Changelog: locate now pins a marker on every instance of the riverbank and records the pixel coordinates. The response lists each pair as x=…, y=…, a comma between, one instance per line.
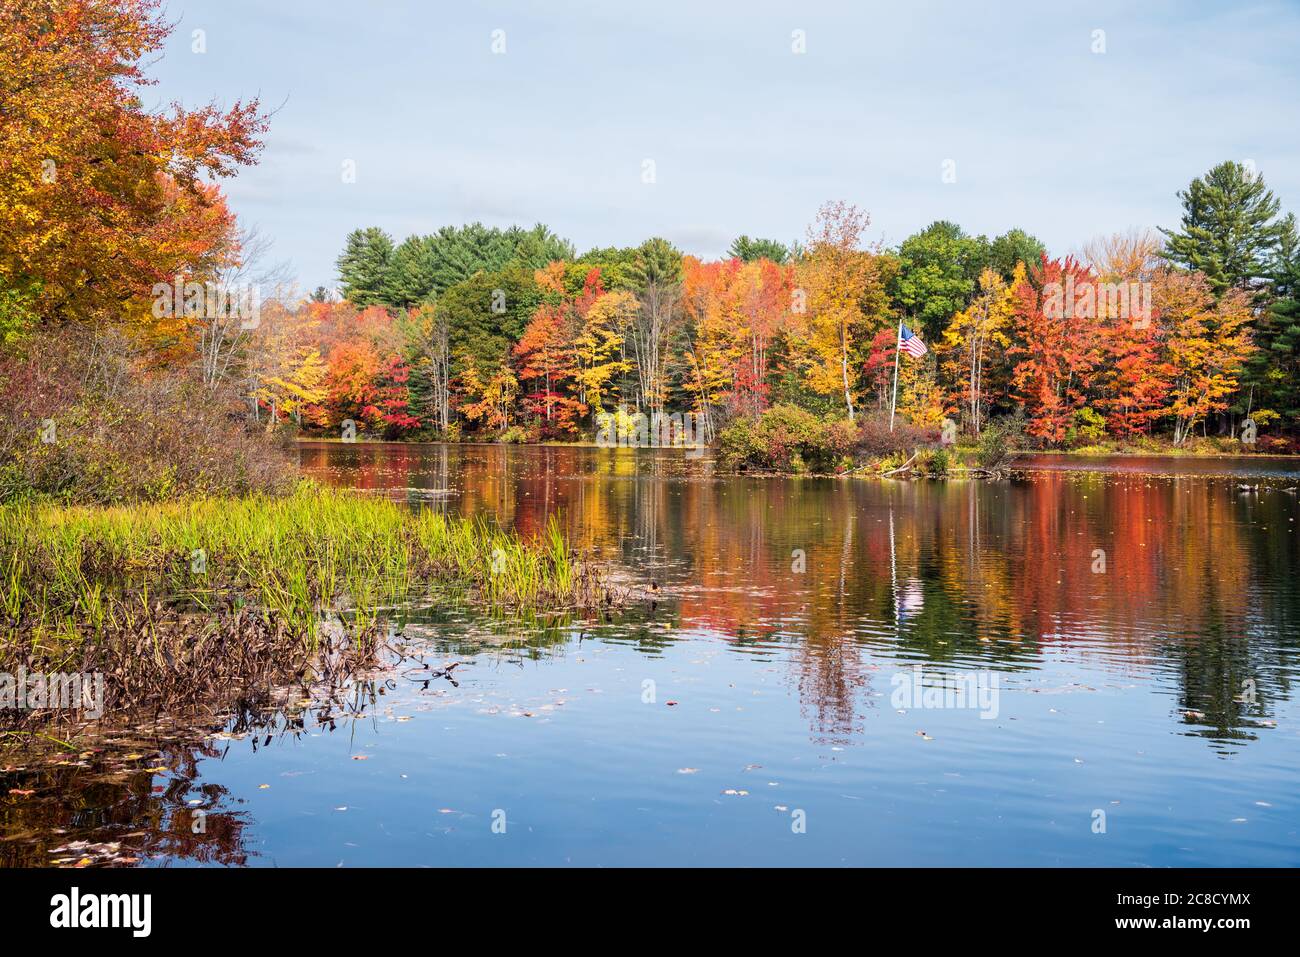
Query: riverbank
x=1230, y=448
x=196, y=602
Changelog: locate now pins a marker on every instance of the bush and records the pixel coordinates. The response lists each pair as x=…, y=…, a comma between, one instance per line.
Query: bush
x=515, y=435
x=1088, y=428
x=999, y=440
x=932, y=462
x=876, y=441
x=785, y=439
x=85, y=421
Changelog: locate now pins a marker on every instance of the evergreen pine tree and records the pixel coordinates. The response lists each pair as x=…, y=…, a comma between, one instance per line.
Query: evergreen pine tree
x=365, y=267
x=1229, y=228
x=1275, y=366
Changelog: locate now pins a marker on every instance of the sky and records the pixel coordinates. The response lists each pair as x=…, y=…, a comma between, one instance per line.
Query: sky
x=744, y=116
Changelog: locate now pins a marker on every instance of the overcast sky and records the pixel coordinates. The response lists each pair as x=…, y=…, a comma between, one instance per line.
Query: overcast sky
x=745, y=134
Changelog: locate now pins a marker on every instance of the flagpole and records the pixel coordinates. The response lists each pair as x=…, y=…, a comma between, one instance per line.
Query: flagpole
x=898, y=342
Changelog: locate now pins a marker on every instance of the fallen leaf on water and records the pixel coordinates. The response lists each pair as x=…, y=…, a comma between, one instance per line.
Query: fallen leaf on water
x=360, y=757
x=263, y=787
x=687, y=770
x=735, y=792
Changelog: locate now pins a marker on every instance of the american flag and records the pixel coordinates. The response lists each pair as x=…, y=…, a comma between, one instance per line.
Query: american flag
x=911, y=343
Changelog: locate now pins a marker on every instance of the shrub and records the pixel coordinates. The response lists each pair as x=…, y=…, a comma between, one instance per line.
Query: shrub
x=86, y=421
x=515, y=435
x=875, y=440
x=999, y=440
x=1088, y=428
x=932, y=462
x=785, y=438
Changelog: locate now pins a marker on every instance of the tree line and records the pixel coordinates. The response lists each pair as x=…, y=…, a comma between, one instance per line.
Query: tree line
x=490, y=332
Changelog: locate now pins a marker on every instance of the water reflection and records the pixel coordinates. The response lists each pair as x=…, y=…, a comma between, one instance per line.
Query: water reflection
x=147, y=795
x=1182, y=577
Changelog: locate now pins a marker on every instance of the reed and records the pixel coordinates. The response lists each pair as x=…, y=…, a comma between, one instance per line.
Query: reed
x=71, y=575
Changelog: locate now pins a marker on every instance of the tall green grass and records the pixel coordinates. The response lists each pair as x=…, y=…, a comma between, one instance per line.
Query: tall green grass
x=72, y=573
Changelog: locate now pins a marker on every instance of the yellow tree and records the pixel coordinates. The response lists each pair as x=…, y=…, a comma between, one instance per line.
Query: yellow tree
x=843, y=291
x=489, y=399
x=982, y=327
x=1207, y=344
x=598, y=346
x=302, y=385
x=285, y=366
x=920, y=397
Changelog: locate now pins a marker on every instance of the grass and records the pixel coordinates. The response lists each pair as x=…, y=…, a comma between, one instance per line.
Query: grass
x=201, y=583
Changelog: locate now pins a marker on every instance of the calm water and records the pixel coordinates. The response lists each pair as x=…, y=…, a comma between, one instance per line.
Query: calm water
x=1136, y=638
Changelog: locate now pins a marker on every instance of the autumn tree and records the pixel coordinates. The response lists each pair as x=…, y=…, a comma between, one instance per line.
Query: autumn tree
x=488, y=398
x=1208, y=342
x=101, y=197
x=843, y=295
x=285, y=368
x=598, y=347
x=1132, y=382
x=1055, y=352
x=716, y=332
x=351, y=384
x=978, y=335
x=545, y=357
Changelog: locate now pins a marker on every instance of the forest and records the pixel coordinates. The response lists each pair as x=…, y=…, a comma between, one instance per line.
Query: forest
x=482, y=332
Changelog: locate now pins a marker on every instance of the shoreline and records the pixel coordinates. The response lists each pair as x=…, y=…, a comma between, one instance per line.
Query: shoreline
x=585, y=444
